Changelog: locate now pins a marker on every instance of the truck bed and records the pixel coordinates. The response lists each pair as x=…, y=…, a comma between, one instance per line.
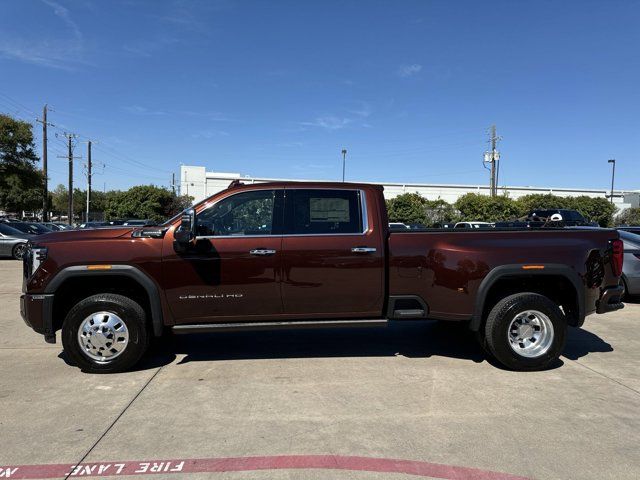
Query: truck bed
x=446, y=267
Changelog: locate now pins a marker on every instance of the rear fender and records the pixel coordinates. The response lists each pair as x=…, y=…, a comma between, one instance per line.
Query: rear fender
x=517, y=271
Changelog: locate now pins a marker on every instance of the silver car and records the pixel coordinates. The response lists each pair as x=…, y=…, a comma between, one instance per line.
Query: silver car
x=631, y=265
x=13, y=243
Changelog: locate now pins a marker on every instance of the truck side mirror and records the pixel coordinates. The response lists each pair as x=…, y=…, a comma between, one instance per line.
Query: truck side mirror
x=185, y=235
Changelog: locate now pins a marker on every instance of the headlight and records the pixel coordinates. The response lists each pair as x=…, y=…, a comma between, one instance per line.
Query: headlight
x=38, y=255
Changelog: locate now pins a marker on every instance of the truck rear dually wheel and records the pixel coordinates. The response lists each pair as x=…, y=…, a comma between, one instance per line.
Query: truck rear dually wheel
x=105, y=333
x=525, y=331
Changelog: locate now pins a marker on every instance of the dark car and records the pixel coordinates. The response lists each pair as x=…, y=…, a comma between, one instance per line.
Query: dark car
x=56, y=227
x=568, y=217
x=86, y=225
x=138, y=223
x=31, y=228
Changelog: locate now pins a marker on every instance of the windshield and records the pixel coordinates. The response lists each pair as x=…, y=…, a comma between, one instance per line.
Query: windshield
x=9, y=230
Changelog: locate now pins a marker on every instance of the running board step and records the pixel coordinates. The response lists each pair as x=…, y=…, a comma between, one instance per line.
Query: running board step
x=234, y=327
x=409, y=313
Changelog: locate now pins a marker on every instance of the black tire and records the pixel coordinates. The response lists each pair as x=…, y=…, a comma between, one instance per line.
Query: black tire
x=18, y=250
x=131, y=314
x=625, y=294
x=496, y=332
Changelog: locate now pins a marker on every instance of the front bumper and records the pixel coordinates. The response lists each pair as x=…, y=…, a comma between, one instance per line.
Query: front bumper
x=37, y=313
x=610, y=299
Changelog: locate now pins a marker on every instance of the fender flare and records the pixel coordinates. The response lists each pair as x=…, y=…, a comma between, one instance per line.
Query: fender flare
x=516, y=270
x=120, y=270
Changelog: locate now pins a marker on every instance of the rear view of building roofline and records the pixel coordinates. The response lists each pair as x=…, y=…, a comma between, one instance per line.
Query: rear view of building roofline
x=313, y=255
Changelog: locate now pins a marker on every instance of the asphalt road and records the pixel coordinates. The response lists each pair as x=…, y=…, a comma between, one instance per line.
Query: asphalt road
x=322, y=404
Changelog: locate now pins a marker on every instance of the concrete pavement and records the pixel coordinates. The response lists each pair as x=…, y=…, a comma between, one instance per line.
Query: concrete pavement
x=421, y=392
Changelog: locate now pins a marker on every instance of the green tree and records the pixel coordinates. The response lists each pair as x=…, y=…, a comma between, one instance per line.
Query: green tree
x=438, y=212
x=21, y=183
x=59, y=199
x=595, y=209
x=538, y=201
x=407, y=208
x=629, y=216
x=145, y=201
x=478, y=207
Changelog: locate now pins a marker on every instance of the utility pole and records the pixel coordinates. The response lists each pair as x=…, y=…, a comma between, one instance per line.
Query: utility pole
x=344, y=160
x=70, y=157
x=45, y=190
x=493, y=158
x=173, y=183
x=613, y=175
x=88, y=178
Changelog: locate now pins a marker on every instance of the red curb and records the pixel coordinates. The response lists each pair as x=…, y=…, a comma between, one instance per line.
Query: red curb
x=239, y=464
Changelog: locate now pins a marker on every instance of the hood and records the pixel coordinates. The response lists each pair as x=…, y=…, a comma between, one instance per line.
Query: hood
x=85, y=234
x=22, y=236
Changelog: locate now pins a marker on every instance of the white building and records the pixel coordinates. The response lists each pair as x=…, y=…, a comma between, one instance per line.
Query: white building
x=198, y=183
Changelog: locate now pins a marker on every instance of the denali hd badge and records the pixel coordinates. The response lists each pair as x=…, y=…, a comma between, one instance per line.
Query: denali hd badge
x=208, y=296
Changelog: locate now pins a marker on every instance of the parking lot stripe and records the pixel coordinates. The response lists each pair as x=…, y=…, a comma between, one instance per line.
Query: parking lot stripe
x=241, y=464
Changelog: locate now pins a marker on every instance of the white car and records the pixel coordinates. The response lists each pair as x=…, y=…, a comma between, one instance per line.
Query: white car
x=479, y=225
x=398, y=226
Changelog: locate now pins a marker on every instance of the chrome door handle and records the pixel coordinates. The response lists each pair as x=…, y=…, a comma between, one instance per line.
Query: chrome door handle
x=363, y=250
x=262, y=251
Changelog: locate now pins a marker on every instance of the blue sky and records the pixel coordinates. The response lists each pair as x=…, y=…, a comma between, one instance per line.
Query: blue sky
x=279, y=88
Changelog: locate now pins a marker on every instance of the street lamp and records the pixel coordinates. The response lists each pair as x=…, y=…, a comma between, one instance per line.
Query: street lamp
x=613, y=175
x=344, y=159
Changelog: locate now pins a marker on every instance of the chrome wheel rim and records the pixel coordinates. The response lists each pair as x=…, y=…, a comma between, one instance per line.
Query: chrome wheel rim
x=103, y=336
x=530, y=334
x=18, y=251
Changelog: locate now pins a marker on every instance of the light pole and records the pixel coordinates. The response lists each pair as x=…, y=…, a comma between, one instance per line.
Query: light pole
x=344, y=159
x=613, y=176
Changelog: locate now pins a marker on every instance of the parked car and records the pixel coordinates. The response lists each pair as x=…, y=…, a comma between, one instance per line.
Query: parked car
x=56, y=227
x=31, y=228
x=567, y=216
x=251, y=257
x=631, y=265
x=13, y=243
x=398, y=226
x=138, y=223
x=475, y=225
x=635, y=230
x=93, y=225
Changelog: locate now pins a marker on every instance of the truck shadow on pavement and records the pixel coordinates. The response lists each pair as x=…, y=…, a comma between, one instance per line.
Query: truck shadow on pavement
x=421, y=339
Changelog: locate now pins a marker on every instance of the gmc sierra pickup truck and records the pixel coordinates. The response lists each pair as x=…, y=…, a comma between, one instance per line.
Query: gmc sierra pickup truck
x=288, y=254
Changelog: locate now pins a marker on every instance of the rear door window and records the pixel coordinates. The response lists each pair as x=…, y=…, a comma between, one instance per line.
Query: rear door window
x=318, y=212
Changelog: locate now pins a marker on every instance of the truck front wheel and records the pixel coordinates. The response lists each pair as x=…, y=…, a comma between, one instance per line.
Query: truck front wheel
x=526, y=331
x=105, y=333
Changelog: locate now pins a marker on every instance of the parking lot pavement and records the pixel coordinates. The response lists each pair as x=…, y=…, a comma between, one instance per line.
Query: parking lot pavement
x=322, y=404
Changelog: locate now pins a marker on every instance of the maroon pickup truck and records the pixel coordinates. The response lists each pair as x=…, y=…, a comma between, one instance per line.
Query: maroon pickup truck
x=276, y=255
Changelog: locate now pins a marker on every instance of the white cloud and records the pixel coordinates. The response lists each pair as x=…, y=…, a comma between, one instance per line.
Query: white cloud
x=409, y=70
x=208, y=134
x=61, y=52
x=139, y=110
x=364, y=111
x=63, y=14
x=328, y=122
